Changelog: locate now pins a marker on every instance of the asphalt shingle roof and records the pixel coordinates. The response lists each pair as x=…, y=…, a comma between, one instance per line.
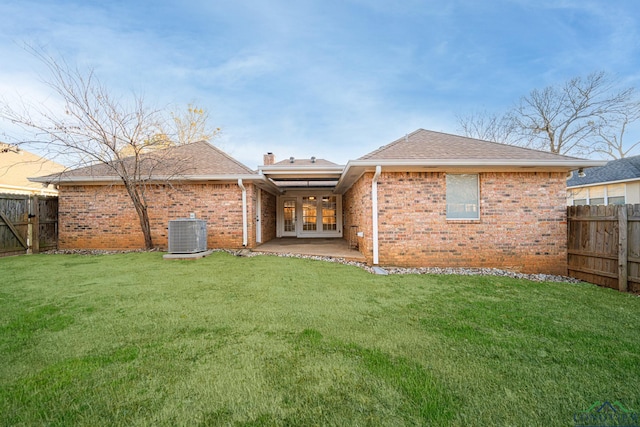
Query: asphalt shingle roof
x=195, y=159
x=616, y=170
x=429, y=145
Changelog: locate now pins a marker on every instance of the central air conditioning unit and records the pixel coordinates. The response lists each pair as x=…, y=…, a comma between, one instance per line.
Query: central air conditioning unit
x=187, y=236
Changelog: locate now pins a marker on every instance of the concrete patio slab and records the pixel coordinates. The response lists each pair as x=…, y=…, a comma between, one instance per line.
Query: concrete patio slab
x=336, y=248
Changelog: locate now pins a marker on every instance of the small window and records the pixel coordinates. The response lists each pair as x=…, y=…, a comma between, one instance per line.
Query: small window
x=463, y=196
x=616, y=200
x=580, y=196
x=616, y=194
x=596, y=195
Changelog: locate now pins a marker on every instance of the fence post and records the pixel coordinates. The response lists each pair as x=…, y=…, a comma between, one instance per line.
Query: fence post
x=35, y=215
x=29, y=206
x=622, y=249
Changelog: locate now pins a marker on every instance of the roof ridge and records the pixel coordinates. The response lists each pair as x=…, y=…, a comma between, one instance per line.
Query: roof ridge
x=219, y=151
x=389, y=145
x=501, y=144
x=435, y=134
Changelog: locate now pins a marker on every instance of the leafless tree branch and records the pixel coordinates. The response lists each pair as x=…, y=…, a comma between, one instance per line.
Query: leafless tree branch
x=94, y=127
x=584, y=115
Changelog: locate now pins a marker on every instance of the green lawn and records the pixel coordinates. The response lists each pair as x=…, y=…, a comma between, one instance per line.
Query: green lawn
x=132, y=339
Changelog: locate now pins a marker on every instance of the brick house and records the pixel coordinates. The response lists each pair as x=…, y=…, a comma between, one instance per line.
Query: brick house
x=95, y=211
x=427, y=199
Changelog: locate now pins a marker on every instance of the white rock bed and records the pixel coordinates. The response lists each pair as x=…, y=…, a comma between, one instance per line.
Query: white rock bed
x=429, y=270
x=390, y=270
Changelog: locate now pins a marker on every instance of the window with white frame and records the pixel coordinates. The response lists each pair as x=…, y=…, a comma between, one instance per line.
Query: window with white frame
x=613, y=194
x=596, y=195
x=616, y=194
x=463, y=196
x=580, y=196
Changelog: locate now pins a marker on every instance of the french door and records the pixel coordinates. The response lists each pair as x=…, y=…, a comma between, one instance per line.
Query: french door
x=289, y=217
x=311, y=216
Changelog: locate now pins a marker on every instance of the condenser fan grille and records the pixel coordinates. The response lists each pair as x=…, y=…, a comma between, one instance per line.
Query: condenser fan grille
x=187, y=236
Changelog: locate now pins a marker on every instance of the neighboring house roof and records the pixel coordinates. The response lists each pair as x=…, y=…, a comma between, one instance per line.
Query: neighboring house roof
x=16, y=167
x=626, y=169
x=429, y=151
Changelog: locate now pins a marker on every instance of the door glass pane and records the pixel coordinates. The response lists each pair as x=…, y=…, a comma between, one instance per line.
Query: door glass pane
x=289, y=215
x=309, y=213
x=329, y=212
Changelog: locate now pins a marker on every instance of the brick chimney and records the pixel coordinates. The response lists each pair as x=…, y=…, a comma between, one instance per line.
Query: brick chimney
x=269, y=159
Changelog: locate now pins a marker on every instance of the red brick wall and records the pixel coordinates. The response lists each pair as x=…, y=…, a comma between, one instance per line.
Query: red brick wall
x=103, y=217
x=356, y=210
x=268, y=219
x=522, y=222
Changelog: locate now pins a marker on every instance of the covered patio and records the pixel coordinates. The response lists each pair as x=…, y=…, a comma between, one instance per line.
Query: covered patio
x=330, y=247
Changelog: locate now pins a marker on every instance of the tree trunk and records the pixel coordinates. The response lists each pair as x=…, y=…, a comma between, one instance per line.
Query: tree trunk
x=143, y=215
x=145, y=226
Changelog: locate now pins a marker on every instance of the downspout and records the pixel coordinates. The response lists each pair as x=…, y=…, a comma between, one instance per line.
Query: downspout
x=244, y=212
x=374, y=212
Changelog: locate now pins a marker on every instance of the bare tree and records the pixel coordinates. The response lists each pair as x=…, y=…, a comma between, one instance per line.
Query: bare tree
x=488, y=127
x=612, y=132
x=565, y=119
x=97, y=130
x=582, y=116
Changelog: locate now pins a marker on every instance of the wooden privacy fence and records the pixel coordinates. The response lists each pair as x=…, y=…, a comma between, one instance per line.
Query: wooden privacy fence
x=603, y=245
x=28, y=224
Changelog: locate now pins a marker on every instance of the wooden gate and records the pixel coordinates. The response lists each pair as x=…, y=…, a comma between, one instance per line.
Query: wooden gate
x=28, y=224
x=603, y=245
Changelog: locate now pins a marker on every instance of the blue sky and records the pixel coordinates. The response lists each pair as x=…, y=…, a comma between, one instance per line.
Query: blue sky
x=331, y=79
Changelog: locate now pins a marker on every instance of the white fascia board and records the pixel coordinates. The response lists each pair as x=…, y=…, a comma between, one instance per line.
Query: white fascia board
x=77, y=180
x=153, y=178
x=356, y=168
x=229, y=177
x=297, y=170
x=480, y=163
x=300, y=167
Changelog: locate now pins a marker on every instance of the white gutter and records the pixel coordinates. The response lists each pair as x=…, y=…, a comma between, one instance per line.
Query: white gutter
x=53, y=179
x=244, y=212
x=101, y=180
x=374, y=212
x=356, y=168
x=565, y=163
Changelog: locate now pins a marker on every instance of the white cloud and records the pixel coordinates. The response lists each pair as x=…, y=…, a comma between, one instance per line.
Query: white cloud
x=335, y=80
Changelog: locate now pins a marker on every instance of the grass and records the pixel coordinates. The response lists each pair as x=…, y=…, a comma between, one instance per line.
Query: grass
x=132, y=339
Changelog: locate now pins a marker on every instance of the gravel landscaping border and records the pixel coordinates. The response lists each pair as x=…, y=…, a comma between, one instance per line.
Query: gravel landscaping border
x=390, y=270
